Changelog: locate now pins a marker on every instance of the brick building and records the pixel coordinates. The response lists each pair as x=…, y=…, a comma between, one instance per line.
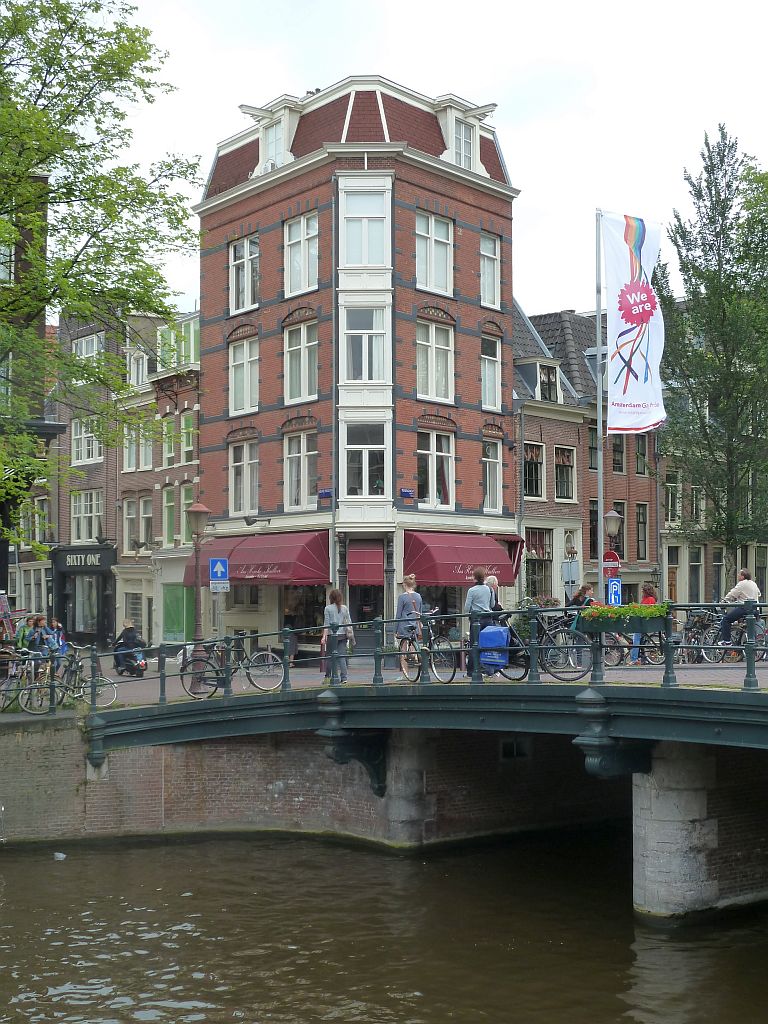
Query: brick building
x=357, y=353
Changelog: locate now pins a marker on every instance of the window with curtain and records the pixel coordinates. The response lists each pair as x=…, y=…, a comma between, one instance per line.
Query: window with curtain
x=434, y=469
x=365, y=453
x=491, y=476
x=533, y=470
x=565, y=472
x=365, y=228
x=434, y=253
x=300, y=470
x=490, y=372
x=434, y=361
x=244, y=478
x=301, y=254
x=641, y=523
x=301, y=362
x=364, y=344
x=490, y=270
x=243, y=376
x=243, y=274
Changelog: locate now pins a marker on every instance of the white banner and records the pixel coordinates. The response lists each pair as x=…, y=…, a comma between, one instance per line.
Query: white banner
x=635, y=325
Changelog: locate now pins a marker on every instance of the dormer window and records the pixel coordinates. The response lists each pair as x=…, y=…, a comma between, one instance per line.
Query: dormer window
x=272, y=138
x=463, y=143
x=548, y=383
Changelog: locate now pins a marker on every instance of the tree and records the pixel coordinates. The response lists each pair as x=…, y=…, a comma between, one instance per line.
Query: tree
x=81, y=229
x=716, y=354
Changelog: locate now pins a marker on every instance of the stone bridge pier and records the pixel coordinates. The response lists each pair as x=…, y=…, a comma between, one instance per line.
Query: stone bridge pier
x=700, y=824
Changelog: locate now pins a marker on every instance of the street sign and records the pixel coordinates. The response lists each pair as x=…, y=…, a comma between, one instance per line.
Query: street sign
x=611, y=564
x=219, y=587
x=614, y=590
x=218, y=569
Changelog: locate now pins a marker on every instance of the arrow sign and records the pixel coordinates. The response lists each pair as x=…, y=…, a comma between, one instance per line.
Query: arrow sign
x=218, y=569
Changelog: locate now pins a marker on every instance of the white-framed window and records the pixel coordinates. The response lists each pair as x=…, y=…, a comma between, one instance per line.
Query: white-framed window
x=272, y=139
x=6, y=264
x=136, y=367
x=169, y=516
x=243, y=376
x=179, y=345
x=434, y=253
x=243, y=274
x=300, y=457
x=547, y=383
x=86, y=447
x=88, y=347
x=244, y=595
x=490, y=372
x=244, y=478
x=146, y=442
x=169, y=441
x=593, y=450
x=490, y=270
x=434, y=361
x=145, y=526
x=364, y=336
x=365, y=455
x=365, y=235
x=34, y=521
x=130, y=450
x=491, y=476
x=187, y=437
x=434, y=469
x=130, y=525
x=86, y=515
x=187, y=495
x=641, y=528
x=534, y=484
x=641, y=455
x=697, y=504
x=565, y=474
x=617, y=453
x=301, y=254
x=5, y=381
x=301, y=362
x=463, y=143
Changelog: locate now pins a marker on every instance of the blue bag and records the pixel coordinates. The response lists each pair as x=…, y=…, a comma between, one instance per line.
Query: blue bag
x=494, y=636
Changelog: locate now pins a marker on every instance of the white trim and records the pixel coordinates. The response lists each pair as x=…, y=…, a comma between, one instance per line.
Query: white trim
x=348, y=116
x=384, y=124
x=574, y=480
x=543, y=496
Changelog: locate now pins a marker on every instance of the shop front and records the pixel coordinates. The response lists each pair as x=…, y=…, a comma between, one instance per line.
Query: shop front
x=365, y=584
x=84, y=592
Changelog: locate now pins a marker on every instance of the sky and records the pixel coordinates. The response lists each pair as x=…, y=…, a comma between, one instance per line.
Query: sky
x=599, y=105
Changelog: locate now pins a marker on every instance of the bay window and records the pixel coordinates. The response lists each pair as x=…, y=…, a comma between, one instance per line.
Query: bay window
x=365, y=453
x=364, y=345
x=365, y=240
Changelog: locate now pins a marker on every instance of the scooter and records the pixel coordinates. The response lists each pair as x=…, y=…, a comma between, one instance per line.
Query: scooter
x=134, y=662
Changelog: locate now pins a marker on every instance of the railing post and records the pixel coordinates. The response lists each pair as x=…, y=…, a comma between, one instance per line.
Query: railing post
x=286, y=635
x=424, y=676
x=334, y=654
x=750, y=679
x=51, y=683
x=669, y=678
x=474, y=647
x=378, y=654
x=597, y=677
x=94, y=677
x=161, y=656
x=533, y=644
x=227, y=666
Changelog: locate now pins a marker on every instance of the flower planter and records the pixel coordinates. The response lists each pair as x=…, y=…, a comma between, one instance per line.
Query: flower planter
x=625, y=624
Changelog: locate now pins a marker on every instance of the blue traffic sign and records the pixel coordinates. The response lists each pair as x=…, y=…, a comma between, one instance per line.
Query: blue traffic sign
x=614, y=590
x=218, y=569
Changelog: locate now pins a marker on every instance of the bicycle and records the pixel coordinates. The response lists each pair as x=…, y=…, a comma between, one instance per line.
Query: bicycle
x=442, y=654
x=202, y=675
x=74, y=683
x=716, y=655
x=564, y=653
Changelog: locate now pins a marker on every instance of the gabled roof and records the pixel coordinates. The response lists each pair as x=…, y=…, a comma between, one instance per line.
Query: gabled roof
x=568, y=335
x=528, y=344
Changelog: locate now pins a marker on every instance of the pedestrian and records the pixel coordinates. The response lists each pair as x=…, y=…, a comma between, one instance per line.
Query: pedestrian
x=745, y=590
x=493, y=583
x=584, y=596
x=57, y=642
x=479, y=604
x=636, y=656
x=408, y=615
x=23, y=631
x=337, y=614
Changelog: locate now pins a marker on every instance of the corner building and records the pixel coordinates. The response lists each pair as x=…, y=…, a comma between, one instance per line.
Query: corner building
x=357, y=354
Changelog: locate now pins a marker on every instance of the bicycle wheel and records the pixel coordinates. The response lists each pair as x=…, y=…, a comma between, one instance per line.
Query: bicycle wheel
x=517, y=667
x=410, y=659
x=442, y=660
x=566, y=654
x=201, y=677
x=761, y=642
x=653, y=648
x=613, y=650
x=265, y=671
x=36, y=700
x=106, y=692
x=712, y=653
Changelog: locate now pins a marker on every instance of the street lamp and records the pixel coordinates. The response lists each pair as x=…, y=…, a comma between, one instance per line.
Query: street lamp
x=197, y=518
x=613, y=521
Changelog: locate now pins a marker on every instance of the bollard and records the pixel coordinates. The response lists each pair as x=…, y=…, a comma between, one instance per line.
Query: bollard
x=334, y=655
x=750, y=679
x=52, y=684
x=474, y=647
x=533, y=644
x=94, y=678
x=161, y=656
x=669, y=678
x=227, y=666
x=286, y=635
x=378, y=654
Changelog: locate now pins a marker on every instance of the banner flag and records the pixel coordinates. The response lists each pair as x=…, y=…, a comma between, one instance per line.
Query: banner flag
x=635, y=325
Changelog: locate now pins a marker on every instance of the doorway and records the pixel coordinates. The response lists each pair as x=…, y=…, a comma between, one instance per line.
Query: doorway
x=366, y=602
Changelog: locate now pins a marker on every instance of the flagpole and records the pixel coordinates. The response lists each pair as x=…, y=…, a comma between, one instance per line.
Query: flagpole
x=600, y=588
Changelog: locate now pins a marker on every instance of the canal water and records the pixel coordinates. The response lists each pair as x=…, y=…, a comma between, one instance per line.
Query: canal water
x=287, y=931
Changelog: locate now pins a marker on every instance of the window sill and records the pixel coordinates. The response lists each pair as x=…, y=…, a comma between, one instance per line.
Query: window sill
x=435, y=291
x=532, y=497
x=566, y=501
x=435, y=508
x=302, y=291
x=440, y=401
x=299, y=401
x=379, y=498
x=496, y=307
x=245, y=309
x=243, y=412
x=492, y=408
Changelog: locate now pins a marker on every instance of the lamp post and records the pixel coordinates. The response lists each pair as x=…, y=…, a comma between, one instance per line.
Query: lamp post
x=197, y=518
x=612, y=521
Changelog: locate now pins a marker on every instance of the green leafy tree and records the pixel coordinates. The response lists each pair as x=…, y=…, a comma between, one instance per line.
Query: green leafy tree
x=716, y=353
x=82, y=230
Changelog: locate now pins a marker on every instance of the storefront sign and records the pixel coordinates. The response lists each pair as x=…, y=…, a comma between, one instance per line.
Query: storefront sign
x=264, y=571
x=464, y=570
x=93, y=560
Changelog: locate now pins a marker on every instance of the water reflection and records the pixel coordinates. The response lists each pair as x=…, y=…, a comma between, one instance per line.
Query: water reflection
x=287, y=931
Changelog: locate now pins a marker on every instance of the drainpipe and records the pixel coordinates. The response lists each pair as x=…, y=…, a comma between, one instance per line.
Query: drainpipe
x=335, y=382
x=518, y=406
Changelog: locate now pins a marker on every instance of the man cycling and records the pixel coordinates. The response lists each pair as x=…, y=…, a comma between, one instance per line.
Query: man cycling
x=745, y=590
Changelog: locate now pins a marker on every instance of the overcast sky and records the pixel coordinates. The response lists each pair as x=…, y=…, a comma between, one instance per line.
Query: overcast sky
x=599, y=104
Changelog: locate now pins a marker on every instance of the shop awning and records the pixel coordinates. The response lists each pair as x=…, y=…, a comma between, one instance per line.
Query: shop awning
x=448, y=559
x=365, y=563
x=299, y=558
x=218, y=547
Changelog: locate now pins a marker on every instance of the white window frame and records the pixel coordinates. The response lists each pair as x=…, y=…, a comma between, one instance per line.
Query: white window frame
x=306, y=245
x=638, y=506
x=367, y=335
x=86, y=509
x=353, y=186
x=246, y=261
x=34, y=521
x=186, y=498
x=86, y=447
x=187, y=437
x=569, y=448
x=130, y=515
x=146, y=532
x=247, y=468
x=179, y=345
x=490, y=267
x=427, y=348
x=543, y=472
x=492, y=499
x=89, y=346
x=273, y=144
x=307, y=499
x=350, y=445
x=539, y=393
x=486, y=362
x=307, y=334
x=168, y=433
x=427, y=245
x=244, y=360
x=136, y=367
x=169, y=536
x=130, y=450
x=432, y=457
x=463, y=139
x=7, y=254
x=146, y=447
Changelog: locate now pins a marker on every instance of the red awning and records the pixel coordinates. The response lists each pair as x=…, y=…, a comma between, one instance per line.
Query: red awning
x=218, y=547
x=448, y=559
x=365, y=563
x=299, y=558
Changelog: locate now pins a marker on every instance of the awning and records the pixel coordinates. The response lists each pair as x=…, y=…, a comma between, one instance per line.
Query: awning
x=365, y=563
x=218, y=547
x=449, y=559
x=299, y=558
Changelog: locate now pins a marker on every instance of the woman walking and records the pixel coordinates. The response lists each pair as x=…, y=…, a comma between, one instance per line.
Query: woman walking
x=635, y=657
x=408, y=615
x=337, y=614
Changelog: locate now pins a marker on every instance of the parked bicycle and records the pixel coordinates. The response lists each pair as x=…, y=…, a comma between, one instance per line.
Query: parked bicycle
x=73, y=683
x=715, y=654
x=202, y=675
x=442, y=653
